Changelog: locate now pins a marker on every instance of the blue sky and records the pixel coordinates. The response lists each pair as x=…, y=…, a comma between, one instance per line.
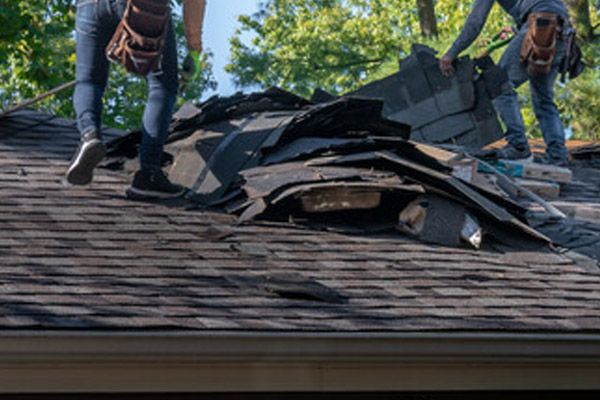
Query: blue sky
x=219, y=25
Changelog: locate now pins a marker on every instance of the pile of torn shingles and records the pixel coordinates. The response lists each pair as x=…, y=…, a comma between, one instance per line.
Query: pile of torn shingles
x=341, y=165
x=459, y=113
x=455, y=111
x=589, y=154
x=542, y=180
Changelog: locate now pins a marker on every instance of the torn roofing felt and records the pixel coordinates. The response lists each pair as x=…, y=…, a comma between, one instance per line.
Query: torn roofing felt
x=334, y=165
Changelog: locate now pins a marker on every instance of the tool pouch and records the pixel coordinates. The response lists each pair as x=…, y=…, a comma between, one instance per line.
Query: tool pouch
x=139, y=40
x=539, y=45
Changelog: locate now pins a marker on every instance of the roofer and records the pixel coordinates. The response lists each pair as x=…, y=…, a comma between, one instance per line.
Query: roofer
x=535, y=54
x=143, y=39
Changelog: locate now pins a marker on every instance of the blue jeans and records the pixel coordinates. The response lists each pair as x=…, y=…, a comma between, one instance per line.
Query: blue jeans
x=95, y=25
x=542, y=96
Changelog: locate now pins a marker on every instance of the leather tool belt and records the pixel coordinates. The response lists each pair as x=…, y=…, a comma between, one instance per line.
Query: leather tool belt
x=539, y=46
x=139, y=40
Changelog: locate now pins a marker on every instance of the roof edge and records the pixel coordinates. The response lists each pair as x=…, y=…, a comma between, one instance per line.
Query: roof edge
x=176, y=362
x=226, y=346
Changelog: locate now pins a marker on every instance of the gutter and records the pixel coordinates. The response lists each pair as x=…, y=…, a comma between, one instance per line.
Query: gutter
x=252, y=346
x=252, y=361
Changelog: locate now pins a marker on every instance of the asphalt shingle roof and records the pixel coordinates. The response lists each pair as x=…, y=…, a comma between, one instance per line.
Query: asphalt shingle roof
x=88, y=258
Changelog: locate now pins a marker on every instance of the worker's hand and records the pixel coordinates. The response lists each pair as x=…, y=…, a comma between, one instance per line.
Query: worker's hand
x=506, y=32
x=190, y=69
x=190, y=66
x=446, y=66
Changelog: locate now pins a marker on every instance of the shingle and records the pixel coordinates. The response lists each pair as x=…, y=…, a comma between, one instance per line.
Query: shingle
x=73, y=258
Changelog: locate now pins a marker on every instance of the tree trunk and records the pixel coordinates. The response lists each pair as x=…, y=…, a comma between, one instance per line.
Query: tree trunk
x=579, y=11
x=427, y=18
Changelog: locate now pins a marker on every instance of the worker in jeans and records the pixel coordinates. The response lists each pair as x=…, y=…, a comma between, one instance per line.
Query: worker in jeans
x=96, y=22
x=542, y=86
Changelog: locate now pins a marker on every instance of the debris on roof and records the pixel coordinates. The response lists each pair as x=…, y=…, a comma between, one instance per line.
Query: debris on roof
x=543, y=180
x=434, y=219
x=588, y=152
x=337, y=165
x=288, y=286
x=441, y=110
x=458, y=112
x=367, y=161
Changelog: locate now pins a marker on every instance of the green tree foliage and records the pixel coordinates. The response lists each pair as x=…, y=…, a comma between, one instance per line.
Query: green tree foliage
x=335, y=44
x=37, y=48
x=579, y=11
x=339, y=45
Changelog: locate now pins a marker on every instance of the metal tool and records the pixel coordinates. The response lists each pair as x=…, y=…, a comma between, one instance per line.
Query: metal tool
x=37, y=99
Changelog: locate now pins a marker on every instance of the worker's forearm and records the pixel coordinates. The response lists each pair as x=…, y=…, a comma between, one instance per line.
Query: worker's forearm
x=193, y=17
x=472, y=28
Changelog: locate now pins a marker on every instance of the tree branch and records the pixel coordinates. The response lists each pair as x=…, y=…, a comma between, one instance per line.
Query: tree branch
x=348, y=64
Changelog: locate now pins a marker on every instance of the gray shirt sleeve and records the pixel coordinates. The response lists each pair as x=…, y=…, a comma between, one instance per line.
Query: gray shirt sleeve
x=472, y=29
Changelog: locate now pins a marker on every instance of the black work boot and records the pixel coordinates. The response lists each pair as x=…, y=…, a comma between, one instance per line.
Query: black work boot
x=153, y=184
x=508, y=152
x=89, y=154
x=548, y=159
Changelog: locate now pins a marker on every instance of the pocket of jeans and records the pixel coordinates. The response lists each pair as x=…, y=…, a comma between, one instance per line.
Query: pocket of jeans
x=86, y=20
